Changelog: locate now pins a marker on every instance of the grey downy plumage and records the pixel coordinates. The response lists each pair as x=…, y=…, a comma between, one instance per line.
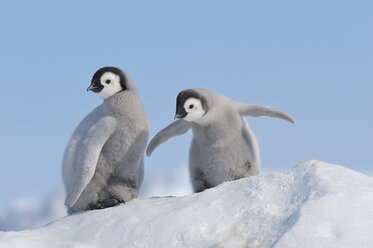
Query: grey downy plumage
x=223, y=147
x=103, y=164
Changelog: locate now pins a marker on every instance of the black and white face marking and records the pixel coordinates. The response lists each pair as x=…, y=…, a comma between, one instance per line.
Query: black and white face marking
x=107, y=81
x=111, y=83
x=190, y=106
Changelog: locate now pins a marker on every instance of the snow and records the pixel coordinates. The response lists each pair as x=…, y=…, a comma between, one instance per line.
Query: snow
x=166, y=181
x=29, y=213
x=314, y=204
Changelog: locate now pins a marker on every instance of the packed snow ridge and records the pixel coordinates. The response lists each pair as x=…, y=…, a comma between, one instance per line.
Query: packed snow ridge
x=314, y=204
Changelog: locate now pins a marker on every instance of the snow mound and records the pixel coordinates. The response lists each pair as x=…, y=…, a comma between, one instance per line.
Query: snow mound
x=314, y=204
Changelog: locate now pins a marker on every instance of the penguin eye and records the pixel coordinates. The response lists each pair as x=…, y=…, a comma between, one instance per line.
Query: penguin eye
x=191, y=106
x=108, y=81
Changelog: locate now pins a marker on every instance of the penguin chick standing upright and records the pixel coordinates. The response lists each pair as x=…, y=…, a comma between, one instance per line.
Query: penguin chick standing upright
x=223, y=147
x=103, y=164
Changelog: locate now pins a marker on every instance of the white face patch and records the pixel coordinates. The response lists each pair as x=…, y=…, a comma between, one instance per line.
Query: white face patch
x=111, y=83
x=193, y=107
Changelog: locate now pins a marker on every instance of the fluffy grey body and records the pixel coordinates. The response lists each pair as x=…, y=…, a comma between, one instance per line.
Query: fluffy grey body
x=217, y=157
x=223, y=147
x=103, y=163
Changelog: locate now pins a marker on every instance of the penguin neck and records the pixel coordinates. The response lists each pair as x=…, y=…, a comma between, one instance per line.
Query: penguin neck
x=116, y=104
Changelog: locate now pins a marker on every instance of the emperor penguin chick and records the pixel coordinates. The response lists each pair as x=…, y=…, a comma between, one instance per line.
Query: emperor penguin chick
x=223, y=147
x=103, y=164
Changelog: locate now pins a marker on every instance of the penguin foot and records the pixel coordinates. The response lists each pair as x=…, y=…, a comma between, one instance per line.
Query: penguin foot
x=107, y=203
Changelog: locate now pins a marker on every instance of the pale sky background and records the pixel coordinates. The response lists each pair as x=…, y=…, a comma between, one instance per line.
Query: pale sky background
x=312, y=59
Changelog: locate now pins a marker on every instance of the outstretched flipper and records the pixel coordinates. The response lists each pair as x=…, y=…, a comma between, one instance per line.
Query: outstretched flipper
x=176, y=128
x=256, y=110
x=87, y=157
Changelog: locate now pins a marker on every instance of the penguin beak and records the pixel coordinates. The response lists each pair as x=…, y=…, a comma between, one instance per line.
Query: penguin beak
x=180, y=112
x=91, y=87
x=95, y=87
x=179, y=116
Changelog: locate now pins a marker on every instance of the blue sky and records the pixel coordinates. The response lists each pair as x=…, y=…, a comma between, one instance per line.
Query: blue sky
x=312, y=59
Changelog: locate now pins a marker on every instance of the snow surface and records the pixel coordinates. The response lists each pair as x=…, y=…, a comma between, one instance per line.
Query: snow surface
x=314, y=204
x=28, y=213
x=166, y=181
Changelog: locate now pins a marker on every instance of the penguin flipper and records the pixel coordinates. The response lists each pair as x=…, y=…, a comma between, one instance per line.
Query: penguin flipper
x=87, y=157
x=176, y=128
x=257, y=110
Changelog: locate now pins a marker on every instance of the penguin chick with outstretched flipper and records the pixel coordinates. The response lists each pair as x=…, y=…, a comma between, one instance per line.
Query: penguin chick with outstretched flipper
x=223, y=147
x=103, y=164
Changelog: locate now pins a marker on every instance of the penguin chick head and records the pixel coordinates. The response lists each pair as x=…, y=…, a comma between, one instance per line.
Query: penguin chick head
x=190, y=106
x=108, y=81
